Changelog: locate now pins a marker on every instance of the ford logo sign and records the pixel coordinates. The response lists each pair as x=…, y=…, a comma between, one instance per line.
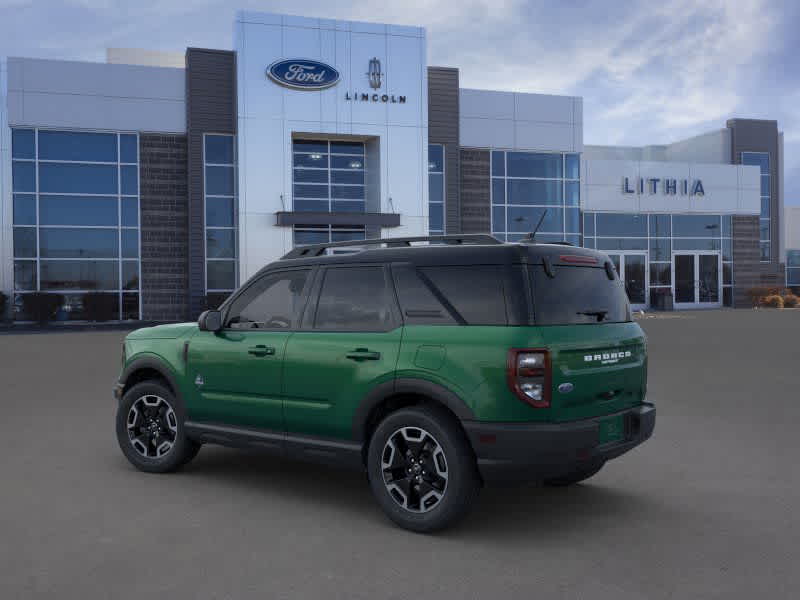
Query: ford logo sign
x=303, y=74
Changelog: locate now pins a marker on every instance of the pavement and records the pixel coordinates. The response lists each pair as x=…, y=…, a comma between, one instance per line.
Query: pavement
x=706, y=509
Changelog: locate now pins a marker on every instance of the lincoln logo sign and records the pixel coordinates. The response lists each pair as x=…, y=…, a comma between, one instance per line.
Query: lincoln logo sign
x=302, y=74
x=668, y=186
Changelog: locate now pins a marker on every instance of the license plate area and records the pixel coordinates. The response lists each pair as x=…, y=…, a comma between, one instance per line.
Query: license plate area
x=611, y=429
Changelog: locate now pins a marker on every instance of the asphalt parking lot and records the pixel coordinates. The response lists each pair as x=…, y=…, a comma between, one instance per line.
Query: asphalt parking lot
x=707, y=509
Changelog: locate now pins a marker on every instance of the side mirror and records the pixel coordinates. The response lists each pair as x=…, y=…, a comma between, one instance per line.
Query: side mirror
x=210, y=320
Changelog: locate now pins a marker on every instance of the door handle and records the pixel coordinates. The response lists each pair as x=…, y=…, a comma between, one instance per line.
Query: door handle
x=261, y=350
x=363, y=354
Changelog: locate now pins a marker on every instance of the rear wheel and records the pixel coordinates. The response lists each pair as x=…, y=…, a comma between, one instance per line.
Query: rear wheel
x=421, y=469
x=575, y=476
x=150, y=429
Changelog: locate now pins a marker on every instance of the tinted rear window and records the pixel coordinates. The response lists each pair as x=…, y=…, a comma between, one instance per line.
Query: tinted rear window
x=577, y=296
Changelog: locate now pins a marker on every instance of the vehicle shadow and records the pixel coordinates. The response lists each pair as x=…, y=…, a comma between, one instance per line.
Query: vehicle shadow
x=506, y=511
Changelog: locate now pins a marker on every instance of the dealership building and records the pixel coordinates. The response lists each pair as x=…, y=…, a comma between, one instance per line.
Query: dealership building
x=167, y=180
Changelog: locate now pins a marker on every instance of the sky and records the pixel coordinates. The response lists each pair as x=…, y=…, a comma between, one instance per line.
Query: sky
x=649, y=72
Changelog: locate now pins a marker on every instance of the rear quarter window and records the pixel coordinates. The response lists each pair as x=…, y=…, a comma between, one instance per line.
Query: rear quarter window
x=475, y=292
x=578, y=295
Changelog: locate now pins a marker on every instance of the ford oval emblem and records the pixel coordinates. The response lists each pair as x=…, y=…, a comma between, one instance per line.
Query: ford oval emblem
x=566, y=388
x=303, y=74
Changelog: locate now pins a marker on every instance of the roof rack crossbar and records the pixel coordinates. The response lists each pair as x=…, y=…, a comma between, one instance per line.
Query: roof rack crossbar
x=400, y=242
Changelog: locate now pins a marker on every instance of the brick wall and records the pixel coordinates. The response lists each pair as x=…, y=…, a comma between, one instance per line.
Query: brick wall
x=165, y=232
x=748, y=271
x=476, y=216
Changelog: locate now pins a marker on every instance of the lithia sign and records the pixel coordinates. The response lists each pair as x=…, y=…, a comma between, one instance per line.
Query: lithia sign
x=306, y=74
x=667, y=186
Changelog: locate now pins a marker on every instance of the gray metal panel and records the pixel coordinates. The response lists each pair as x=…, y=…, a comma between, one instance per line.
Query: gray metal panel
x=210, y=108
x=443, y=128
x=371, y=220
x=476, y=215
x=755, y=135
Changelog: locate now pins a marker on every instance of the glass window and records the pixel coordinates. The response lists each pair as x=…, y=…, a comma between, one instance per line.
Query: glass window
x=475, y=292
x=128, y=148
x=727, y=249
x=311, y=205
x=528, y=191
x=763, y=228
x=793, y=258
x=78, y=146
x=498, y=191
x=272, y=302
x=572, y=220
x=220, y=243
x=356, y=148
x=793, y=277
x=696, y=225
x=765, y=191
x=343, y=162
x=354, y=299
x=219, y=212
x=498, y=163
x=129, y=180
x=417, y=303
x=765, y=207
x=572, y=191
x=67, y=178
x=350, y=177
x=25, y=242
x=311, y=175
x=588, y=224
x=219, y=149
x=220, y=275
x=130, y=306
x=765, y=250
x=660, y=249
x=348, y=192
x=24, y=209
x=727, y=225
x=23, y=176
x=130, y=212
x=660, y=226
x=436, y=218
x=219, y=181
x=344, y=233
x=525, y=218
x=621, y=225
x=79, y=275
x=347, y=206
x=727, y=273
x=727, y=296
x=319, y=161
x=312, y=146
x=57, y=242
x=436, y=187
x=578, y=295
x=23, y=143
x=130, y=275
x=530, y=164
x=77, y=210
x=622, y=243
x=435, y=158
x=573, y=166
x=660, y=274
x=695, y=244
x=130, y=243
x=498, y=219
x=25, y=275
x=759, y=159
x=310, y=191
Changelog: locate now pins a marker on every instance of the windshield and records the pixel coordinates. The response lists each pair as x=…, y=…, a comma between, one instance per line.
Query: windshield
x=577, y=295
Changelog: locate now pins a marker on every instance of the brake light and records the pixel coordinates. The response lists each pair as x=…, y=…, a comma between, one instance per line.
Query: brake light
x=578, y=259
x=528, y=375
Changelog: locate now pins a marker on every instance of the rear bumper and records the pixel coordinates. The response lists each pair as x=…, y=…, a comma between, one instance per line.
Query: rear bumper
x=537, y=451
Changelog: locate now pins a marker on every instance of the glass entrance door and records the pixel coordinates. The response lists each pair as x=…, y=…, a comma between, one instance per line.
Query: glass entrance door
x=632, y=269
x=696, y=279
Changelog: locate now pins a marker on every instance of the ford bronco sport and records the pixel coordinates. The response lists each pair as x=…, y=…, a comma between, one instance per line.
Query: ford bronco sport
x=436, y=367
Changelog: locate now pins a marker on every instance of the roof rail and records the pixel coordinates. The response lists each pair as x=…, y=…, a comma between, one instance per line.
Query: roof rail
x=318, y=249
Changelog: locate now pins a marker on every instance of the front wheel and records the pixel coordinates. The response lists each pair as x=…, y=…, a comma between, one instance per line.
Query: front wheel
x=421, y=469
x=150, y=429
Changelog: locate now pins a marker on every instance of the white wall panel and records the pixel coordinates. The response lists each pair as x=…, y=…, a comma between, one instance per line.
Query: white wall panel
x=486, y=104
x=540, y=135
x=486, y=133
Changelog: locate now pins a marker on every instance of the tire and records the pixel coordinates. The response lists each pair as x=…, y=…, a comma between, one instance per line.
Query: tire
x=575, y=476
x=433, y=486
x=150, y=429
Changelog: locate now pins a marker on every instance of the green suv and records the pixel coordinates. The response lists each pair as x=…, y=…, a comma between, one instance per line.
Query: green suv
x=435, y=367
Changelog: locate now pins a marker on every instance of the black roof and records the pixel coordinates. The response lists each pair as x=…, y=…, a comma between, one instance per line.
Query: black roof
x=444, y=250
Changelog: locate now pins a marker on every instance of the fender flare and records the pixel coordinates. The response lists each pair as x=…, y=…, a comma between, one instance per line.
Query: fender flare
x=407, y=385
x=156, y=364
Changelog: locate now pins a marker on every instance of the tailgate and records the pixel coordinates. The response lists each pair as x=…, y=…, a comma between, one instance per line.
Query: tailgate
x=597, y=369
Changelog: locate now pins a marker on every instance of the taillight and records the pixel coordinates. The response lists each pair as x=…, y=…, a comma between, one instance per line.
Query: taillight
x=528, y=374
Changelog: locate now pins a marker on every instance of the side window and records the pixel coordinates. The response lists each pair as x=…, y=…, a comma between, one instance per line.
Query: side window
x=476, y=292
x=354, y=299
x=418, y=303
x=273, y=302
